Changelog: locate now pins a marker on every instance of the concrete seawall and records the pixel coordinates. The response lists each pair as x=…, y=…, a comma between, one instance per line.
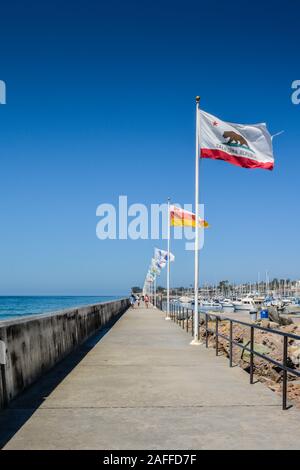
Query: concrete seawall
x=35, y=344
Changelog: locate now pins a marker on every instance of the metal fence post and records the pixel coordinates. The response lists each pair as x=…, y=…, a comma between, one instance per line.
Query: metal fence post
x=206, y=332
x=251, y=353
x=216, y=333
x=284, y=375
x=230, y=344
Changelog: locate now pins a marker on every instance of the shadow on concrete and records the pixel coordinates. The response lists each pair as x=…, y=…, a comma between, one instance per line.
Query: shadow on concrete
x=23, y=407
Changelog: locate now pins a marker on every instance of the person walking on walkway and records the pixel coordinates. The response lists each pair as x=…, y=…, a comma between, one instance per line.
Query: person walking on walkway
x=132, y=300
x=146, y=300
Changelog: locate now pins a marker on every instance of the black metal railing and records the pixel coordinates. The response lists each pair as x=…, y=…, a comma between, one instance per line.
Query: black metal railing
x=180, y=315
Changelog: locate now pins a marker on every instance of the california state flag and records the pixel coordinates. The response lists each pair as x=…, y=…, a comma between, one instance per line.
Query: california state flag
x=246, y=145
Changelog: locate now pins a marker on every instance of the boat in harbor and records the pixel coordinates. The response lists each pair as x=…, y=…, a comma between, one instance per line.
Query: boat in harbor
x=210, y=303
x=248, y=303
x=204, y=303
x=185, y=299
x=227, y=303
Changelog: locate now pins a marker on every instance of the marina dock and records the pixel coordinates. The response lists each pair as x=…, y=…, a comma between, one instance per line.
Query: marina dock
x=141, y=385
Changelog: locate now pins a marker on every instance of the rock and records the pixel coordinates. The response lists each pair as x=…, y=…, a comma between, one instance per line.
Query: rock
x=260, y=348
x=294, y=391
x=265, y=323
x=292, y=328
x=294, y=353
x=276, y=317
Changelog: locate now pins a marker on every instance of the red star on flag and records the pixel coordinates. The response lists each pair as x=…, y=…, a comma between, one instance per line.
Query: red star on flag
x=215, y=123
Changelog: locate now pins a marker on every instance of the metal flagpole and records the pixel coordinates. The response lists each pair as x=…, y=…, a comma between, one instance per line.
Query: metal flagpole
x=195, y=341
x=168, y=265
x=154, y=286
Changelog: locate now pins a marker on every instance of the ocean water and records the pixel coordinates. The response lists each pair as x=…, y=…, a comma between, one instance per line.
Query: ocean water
x=19, y=306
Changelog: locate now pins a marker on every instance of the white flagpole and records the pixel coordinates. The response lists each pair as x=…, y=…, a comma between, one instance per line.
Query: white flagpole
x=168, y=265
x=195, y=341
x=155, y=292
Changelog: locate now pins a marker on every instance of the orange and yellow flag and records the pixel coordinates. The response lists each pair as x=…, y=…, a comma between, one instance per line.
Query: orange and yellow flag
x=182, y=218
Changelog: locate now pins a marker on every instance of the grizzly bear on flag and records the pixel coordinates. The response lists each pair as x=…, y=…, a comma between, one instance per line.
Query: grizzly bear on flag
x=234, y=137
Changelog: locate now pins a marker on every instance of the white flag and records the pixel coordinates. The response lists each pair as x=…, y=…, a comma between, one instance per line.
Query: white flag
x=163, y=254
x=246, y=145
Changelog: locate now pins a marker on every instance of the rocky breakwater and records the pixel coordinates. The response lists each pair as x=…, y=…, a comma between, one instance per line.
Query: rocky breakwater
x=266, y=343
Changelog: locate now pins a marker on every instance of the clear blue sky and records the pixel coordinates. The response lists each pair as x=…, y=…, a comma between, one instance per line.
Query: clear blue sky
x=100, y=102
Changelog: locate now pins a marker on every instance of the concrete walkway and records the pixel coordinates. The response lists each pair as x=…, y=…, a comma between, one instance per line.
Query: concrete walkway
x=142, y=386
